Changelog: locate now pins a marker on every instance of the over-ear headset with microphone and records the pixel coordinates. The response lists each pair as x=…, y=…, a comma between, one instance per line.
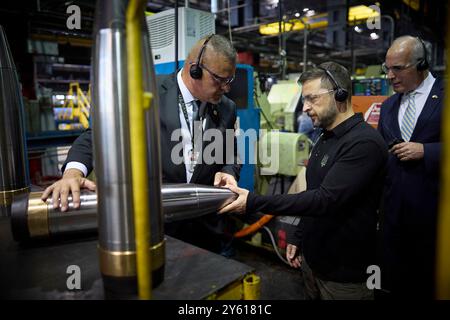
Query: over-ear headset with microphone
x=423, y=64
x=195, y=70
x=340, y=94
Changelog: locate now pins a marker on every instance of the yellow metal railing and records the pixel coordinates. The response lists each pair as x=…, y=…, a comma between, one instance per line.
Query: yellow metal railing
x=77, y=105
x=138, y=102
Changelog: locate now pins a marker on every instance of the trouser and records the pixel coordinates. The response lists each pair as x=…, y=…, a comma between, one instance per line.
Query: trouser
x=328, y=290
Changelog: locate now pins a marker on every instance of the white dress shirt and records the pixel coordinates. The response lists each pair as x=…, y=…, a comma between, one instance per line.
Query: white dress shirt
x=189, y=101
x=186, y=134
x=421, y=95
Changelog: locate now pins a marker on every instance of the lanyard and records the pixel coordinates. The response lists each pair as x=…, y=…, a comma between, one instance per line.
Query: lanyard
x=193, y=154
x=186, y=117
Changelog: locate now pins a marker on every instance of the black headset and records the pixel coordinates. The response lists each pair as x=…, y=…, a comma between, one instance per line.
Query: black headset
x=340, y=94
x=195, y=70
x=423, y=64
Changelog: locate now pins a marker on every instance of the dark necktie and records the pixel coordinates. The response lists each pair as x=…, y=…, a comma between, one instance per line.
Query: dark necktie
x=195, y=109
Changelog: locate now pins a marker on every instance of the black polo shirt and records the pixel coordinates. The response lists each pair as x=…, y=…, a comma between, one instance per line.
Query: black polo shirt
x=339, y=208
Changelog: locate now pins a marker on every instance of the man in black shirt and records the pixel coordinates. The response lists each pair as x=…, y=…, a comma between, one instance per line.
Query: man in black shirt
x=344, y=182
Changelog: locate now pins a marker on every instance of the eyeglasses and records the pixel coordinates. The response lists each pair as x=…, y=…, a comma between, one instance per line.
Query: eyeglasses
x=220, y=80
x=396, y=69
x=312, y=98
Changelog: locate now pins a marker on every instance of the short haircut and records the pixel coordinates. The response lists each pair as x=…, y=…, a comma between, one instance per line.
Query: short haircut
x=223, y=46
x=339, y=73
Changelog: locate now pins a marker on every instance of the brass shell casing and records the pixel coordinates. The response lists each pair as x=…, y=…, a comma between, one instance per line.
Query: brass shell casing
x=37, y=216
x=123, y=263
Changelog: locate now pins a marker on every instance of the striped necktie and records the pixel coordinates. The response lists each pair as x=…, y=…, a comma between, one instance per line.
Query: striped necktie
x=409, y=118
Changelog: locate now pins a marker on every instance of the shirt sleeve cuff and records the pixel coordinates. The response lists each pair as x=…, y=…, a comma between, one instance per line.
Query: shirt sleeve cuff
x=76, y=165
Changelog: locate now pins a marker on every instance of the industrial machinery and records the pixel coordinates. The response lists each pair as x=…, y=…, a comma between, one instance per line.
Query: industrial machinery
x=284, y=97
x=192, y=26
x=283, y=153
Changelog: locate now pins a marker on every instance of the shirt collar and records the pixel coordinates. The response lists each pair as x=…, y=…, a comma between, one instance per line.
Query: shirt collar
x=345, y=126
x=187, y=95
x=425, y=85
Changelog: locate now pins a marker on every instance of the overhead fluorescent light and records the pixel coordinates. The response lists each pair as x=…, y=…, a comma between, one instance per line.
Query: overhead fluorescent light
x=319, y=20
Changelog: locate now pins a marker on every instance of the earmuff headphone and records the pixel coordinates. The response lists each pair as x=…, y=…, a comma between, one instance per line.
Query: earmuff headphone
x=340, y=94
x=195, y=70
x=423, y=62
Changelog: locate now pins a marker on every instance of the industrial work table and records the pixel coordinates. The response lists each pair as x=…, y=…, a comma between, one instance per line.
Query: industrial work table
x=41, y=270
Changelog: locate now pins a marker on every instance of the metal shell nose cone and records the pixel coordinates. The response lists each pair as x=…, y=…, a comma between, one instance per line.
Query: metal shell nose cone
x=184, y=201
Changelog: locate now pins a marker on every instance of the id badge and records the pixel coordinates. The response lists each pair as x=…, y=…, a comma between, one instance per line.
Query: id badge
x=193, y=157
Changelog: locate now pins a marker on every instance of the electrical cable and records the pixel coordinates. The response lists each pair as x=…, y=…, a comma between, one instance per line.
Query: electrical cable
x=275, y=245
x=253, y=227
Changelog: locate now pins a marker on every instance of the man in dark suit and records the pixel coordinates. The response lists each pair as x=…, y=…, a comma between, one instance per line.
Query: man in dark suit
x=410, y=123
x=190, y=99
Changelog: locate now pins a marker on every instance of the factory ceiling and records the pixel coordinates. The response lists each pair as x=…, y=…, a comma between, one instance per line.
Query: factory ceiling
x=340, y=41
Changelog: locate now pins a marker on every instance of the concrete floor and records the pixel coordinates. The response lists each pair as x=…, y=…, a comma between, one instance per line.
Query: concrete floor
x=278, y=280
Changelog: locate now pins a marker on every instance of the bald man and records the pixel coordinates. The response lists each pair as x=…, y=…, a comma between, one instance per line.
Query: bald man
x=410, y=123
x=196, y=92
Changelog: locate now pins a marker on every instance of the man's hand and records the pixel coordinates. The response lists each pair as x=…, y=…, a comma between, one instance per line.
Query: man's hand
x=238, y=205
x=70, y=183
x=407, y=151
x=221, y=179
x=293, y=256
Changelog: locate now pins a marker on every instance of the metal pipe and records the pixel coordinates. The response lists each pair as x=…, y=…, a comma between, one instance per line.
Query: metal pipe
x=391, y=20
x=111, y=137
x=305, y=42
x=14, y=177
x=32, y=218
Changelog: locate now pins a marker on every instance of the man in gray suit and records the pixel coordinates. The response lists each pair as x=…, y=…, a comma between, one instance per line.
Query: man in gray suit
x=194, y=93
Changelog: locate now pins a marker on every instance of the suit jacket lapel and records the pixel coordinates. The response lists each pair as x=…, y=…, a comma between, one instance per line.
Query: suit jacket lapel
x=170, y=118
x=434, y=98
x=394, y=118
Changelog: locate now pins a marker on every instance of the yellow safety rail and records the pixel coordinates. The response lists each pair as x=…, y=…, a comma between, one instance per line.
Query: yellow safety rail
x=443, y=240
x=79, y=110
x=138, y=102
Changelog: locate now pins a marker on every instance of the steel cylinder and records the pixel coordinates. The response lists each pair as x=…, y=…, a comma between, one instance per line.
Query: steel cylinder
x=117, y=249
x=32, y=218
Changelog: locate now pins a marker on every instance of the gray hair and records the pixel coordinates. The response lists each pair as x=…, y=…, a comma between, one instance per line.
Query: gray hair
x=417, y=49
x=339, y=73
x=222, y=45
